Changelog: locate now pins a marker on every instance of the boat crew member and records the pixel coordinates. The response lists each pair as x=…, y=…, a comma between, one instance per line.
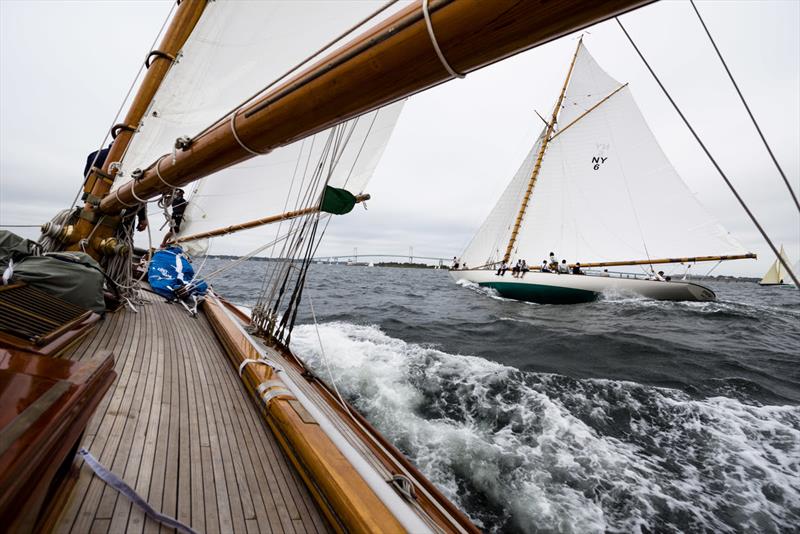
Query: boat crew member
x=545, y=269
x=576, y=269
x=516, y=269
x=553, y=265
x=503, y=268
x=178, y=207
x=605, y=273
x=659, y=276
x=455, y=263
x=563, y=268
x=523, y=268
x=98, y=159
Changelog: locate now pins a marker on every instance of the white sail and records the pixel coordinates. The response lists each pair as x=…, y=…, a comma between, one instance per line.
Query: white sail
x=489, y=244
x=776, y=274
x=606, y=190
x=236, y=49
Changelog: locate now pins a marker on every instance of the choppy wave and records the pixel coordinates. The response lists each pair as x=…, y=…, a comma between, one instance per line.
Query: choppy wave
x=534, y=452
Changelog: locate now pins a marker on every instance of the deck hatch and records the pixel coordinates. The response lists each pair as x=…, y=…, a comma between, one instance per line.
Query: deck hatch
x=35, y=316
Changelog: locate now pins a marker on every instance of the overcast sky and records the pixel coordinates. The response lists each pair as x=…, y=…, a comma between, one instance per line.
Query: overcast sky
x=65, y=68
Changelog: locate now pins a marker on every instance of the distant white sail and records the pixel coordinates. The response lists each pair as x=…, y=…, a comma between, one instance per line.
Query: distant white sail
x=776, y=274
x=605, y=191
x=237, y=48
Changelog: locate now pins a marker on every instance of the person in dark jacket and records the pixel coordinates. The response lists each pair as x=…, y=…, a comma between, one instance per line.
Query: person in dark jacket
x=98, y=159
x=178, y=207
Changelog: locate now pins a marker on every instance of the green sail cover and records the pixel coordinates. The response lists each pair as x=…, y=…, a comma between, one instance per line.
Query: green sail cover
x=337, y=201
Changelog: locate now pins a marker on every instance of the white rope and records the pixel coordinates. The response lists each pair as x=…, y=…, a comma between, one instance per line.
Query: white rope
x=454, y=73
x=133, y=193
x=116, y=195
x=236, y=136
x=158, y=173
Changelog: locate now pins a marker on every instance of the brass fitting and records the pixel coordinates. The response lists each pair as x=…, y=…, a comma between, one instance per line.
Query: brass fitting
x=110, y=246
x=65, y=234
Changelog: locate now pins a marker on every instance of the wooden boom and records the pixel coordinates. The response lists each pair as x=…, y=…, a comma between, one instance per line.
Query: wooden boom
x=389, y=62
x=695, y=259
x=257, y=222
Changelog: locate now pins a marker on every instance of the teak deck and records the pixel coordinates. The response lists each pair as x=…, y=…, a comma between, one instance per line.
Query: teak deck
x=178, y=426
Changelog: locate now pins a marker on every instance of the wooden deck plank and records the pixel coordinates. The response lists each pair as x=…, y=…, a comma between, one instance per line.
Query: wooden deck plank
x=179, y=427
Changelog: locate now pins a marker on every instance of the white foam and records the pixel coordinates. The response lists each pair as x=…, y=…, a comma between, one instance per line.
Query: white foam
x=534, y=452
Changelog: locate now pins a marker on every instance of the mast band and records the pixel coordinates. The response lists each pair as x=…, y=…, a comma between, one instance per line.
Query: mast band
x=158, y=54
x=454, y=73
x=236, y=136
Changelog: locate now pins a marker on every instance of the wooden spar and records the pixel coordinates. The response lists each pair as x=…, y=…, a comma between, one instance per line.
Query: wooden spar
x=389, y=62
x=582, y=115
x=538, y=165
x=181, y=26
x=695, y=259
x=257, y=222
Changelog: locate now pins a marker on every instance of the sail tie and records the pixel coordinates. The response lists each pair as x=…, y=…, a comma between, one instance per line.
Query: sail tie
x=454, y=73
x=236, y=136
x=158, y=173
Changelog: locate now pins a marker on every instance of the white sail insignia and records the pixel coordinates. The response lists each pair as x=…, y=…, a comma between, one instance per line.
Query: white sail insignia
x=605, y=191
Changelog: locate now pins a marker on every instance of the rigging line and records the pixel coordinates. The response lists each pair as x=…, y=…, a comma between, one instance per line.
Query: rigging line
x=20, y=225
x=747, y=108
x=711, y=158
x=325, y=359
x=124, y=100
x=325, y=47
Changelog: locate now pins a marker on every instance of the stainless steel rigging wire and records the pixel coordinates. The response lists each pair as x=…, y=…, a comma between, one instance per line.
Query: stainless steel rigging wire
x=711, y=158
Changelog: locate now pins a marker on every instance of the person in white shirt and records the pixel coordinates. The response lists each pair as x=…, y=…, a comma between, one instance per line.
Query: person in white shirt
x=553, y=263
x=605, y=273
x=563, y=268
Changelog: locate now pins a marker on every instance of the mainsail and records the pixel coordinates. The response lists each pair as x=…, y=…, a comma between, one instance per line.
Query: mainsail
x=605, y=190
x=236, y=49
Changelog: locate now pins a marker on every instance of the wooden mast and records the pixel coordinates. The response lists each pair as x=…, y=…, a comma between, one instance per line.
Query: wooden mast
x=538, y=165
x=158, y=64
x=389, y=62
x=257, y=222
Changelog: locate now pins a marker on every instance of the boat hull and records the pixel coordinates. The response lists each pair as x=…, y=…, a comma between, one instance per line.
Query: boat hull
x=549, y=288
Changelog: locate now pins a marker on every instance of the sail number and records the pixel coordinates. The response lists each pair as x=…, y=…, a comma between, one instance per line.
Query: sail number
x=597, y=161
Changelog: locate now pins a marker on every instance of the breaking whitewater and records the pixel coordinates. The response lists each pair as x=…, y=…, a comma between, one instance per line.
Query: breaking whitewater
x=623, y=415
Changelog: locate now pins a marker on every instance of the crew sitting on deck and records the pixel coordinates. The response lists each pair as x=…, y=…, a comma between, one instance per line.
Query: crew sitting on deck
x=517, y=270
x=605, y=273
x=502, y=270
x=563, y=268
x=659, y=276
x=545, y=268
x=455, y=263
x=523, y=268
x=553, y=265
x=576, y=269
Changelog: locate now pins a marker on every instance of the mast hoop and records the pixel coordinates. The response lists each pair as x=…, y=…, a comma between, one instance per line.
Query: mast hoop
x=116, y=195
x=238, y=140
x=158, y=173
x=158, y=54
x=120, y=127
x=454, y=73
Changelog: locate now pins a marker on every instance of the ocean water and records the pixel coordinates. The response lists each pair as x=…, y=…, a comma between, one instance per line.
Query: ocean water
x=622, y=415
